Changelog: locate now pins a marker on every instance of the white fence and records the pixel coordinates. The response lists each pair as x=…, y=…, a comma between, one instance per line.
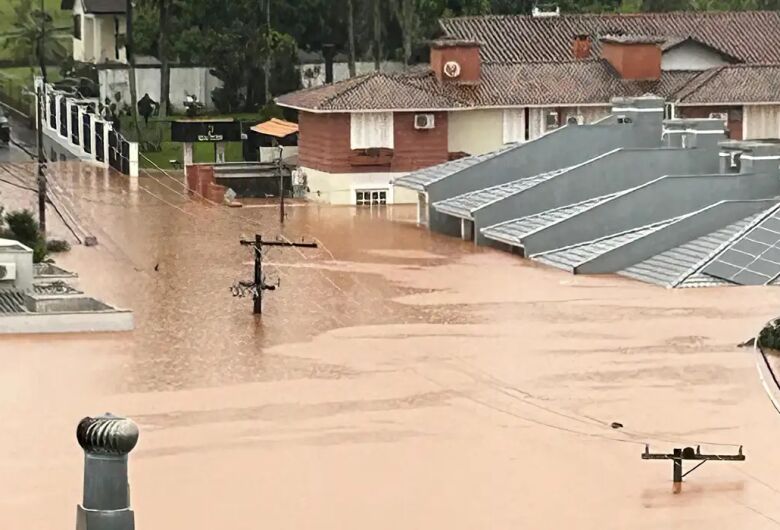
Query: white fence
x=76, y=125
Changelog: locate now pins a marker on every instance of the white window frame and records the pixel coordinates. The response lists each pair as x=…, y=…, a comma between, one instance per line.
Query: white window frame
x=370, y=130
x=371, y=197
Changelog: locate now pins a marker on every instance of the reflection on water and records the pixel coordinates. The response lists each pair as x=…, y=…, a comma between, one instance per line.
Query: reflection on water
x=397, y=379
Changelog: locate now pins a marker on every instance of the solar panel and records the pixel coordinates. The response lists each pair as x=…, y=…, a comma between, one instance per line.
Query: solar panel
x=752, y=260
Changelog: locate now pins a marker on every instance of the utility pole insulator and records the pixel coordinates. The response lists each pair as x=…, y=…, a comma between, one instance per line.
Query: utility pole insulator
x=259, y=284
x=688, y=453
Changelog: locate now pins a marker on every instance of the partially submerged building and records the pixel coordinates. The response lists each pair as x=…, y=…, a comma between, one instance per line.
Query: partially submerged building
x=498, y=80
x=672, y=202
x=36, y=298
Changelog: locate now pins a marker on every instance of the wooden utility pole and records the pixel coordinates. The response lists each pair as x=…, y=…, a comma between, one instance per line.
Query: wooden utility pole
x=40, y=95
x=689, y=453
x=259, y=285
x=281, y=185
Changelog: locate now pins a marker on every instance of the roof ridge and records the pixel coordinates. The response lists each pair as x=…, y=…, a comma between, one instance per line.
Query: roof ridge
x=356, y=82
x=654, y=14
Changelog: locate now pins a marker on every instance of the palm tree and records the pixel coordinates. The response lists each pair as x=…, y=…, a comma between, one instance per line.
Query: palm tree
x=34, y=37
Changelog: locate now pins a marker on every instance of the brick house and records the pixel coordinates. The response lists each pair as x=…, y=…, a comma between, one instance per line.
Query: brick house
x=495, y=80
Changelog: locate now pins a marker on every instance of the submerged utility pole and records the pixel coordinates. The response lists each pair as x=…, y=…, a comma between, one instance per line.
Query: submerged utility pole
x=258, y=285
x=281, y=185
x=688, y=453
x=106, y=440
x=40, y=92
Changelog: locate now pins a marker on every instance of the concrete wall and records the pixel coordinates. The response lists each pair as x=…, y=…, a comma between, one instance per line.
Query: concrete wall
x=339, y=188
x=704, y=222
x=761, y=121
x=563, y=147
x=313, y=74
x=610, y=173
x=184, y=80
x=475, y=131
x=657, y=201
x=691, y=56
x=67, y=322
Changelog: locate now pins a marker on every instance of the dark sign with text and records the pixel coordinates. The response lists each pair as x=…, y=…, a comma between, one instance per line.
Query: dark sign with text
x=205, y=131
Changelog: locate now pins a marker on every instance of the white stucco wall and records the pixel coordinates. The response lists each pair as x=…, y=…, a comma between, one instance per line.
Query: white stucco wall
x=690, y=56
x=184, y=80
x=98, y=37
x=761, y=121
x=313, y=75
x=475, y=131
x=339, y=188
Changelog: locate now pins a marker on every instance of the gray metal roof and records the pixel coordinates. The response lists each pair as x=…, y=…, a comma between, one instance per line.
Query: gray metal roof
x=568, y=258
x=11, y=302
x=753, y=258
x=419, y=180
x=679, y=265
x=463, y=205
x=514, y=231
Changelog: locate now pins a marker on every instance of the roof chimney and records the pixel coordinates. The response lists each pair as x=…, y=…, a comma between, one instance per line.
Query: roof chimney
x=634, y=57
x=456, y=61
x=581, y=47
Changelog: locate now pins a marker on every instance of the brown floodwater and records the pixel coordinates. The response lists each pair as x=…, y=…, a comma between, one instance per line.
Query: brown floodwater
x=396, y=380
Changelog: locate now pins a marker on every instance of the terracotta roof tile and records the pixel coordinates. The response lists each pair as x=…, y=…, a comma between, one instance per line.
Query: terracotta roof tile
x=568, y=83
x=734, y=84
x=750, y=36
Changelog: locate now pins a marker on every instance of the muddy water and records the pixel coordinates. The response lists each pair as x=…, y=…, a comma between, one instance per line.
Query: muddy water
x=396, y=380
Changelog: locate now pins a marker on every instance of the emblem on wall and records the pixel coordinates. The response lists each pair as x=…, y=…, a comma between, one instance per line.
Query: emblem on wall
x=451, y=69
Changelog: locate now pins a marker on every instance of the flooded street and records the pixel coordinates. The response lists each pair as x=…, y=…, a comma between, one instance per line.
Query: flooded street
x=398, y=379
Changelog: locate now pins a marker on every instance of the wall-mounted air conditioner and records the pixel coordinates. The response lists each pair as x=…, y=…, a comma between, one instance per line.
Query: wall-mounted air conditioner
x=7, y=271
x=724, y=116
x=424, y=121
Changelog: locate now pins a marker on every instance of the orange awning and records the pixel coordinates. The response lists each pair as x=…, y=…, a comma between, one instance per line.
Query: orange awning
x=277, y=128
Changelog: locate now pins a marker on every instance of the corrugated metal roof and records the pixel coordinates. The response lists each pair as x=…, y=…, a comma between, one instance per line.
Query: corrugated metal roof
x=682, y=262
x=419, y=180
x=463, y=205
x=11, y=302
x=513, y=232
x=568, y=258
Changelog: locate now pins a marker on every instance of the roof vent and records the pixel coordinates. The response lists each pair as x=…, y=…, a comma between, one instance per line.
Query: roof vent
x=546, y=10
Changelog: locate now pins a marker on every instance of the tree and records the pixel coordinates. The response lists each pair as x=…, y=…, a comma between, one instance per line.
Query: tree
x=351, y=37
x=377, y=34
x=34, y=37
x=162, y=55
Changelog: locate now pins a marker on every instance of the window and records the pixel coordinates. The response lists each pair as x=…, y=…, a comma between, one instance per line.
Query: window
x=370, y=197
x=371, y=130
x=77, y=27
x=551, y=120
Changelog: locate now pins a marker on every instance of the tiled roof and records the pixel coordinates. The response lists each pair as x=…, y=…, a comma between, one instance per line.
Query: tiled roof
x=633, y=39
x=680, y=264
x=513, y=232
x=502, y=85
x=734, y=84
x=463, y=205
x=570, y=257
x=750, y=36
x=420, y=180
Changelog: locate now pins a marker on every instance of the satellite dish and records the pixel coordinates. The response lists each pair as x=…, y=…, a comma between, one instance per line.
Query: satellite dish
x=451, y=69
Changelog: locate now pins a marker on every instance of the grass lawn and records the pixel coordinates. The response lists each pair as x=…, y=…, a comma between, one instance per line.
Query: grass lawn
x=203, y=152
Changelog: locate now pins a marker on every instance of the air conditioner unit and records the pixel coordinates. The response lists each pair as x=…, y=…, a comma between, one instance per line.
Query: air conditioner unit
x=575, y=120
x=7, y=271
x=424, y=121
x=719, y=116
